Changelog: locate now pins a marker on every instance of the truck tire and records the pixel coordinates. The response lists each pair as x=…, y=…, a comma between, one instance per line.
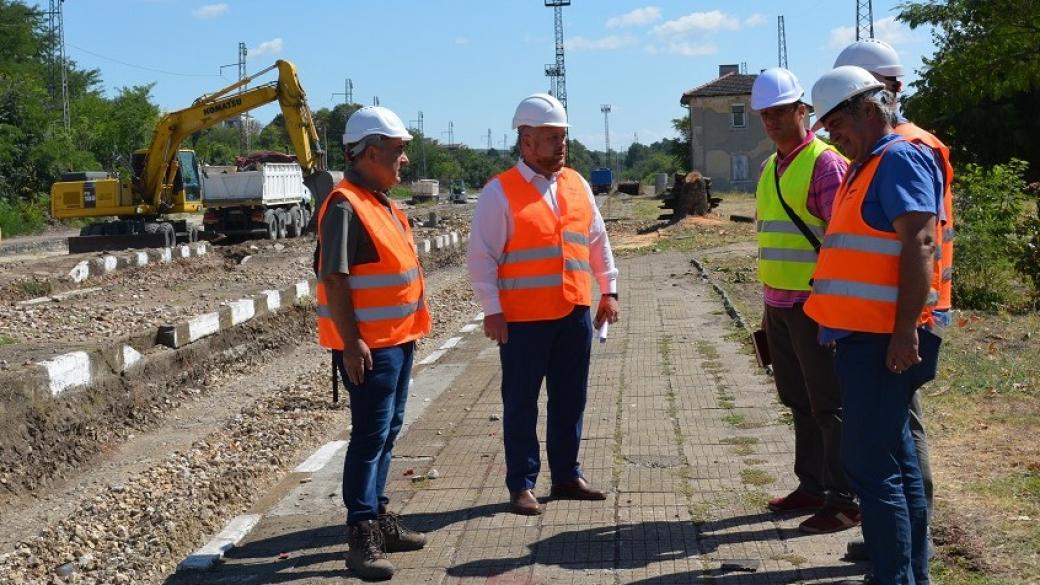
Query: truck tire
x=295, y=224
x=282, y=221
x=271, y=223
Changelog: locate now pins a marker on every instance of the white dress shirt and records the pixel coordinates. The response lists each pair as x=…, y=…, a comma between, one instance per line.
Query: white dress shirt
x=493, y=225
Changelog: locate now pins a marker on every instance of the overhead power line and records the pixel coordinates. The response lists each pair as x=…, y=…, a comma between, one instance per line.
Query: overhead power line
x=141, y=67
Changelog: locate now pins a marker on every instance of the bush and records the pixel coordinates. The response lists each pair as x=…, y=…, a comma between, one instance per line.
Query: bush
x=991, y=224
x=21, y=217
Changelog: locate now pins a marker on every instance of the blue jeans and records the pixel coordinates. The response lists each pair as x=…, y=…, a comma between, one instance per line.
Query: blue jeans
x=557, y=351
x=377, y=414
x=879, y=455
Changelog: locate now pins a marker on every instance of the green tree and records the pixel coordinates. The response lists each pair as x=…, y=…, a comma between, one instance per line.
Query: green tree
x=983, y=80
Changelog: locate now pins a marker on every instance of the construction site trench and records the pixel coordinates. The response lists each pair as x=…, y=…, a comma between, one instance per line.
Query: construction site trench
x=110, y=481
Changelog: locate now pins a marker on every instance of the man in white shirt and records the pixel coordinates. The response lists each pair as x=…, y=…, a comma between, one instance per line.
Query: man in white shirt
x=537, y=241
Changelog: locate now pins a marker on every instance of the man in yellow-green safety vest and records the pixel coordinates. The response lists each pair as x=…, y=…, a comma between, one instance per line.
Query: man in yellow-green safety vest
x=793, y=201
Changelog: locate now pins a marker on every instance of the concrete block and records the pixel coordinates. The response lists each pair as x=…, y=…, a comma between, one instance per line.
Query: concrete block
x=80, y=272
x=242, y=310
x=303, y=291
x=454, y=238
x=184, y=251
x=140, y=259
x=66, y=371
x=203, y=325
x=272, y=300
x=214, y=550
x=130, y=358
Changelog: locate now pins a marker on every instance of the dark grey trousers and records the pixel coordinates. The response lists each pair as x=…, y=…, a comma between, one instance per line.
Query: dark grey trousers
x=808, y=384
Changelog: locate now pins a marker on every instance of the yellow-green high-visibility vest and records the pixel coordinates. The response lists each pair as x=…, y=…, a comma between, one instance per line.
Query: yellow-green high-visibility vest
x=786, y=259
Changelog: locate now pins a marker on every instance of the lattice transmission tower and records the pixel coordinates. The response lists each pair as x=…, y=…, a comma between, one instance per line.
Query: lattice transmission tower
x=58, y=84
x=557, y=72
x=781, y=38
x=864, y=20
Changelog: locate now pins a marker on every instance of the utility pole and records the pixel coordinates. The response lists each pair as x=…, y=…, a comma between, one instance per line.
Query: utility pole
x=243, y=137
x=451, y=133
x=243, y=118
x=781, y=38
x=489, y=139
x=59, y=80
x=375, y=100
x=605, y=108
x=864, y=20
x=557, y=72
x=505, y=141
x=348, y=92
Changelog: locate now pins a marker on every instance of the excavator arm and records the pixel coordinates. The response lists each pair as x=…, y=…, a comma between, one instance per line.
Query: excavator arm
x=157, y=177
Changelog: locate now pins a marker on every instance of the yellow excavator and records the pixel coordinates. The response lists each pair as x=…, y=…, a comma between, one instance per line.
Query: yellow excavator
x=167, y=179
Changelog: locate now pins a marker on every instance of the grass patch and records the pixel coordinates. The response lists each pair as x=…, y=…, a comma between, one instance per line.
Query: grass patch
x=647, y=209
x=754, y=461
x=727, y=404
x=796, y=560
x=34, y=288
x=951, y=573
x=756, y=500
x=739, y=441
x=734, y=419
x=5, y=340
x=752, y=476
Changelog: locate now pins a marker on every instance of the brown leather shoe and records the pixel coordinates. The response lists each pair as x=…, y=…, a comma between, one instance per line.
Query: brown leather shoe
x=576, y=489
x=524, y=503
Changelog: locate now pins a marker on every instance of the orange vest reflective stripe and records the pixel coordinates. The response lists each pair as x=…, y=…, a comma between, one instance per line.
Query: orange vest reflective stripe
x=856, y=282
x=388, y=294
x=943, y=278
x=544, y=270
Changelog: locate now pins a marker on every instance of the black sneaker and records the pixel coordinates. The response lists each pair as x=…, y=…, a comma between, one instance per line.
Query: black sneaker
x=397, y=536
x=367, y=555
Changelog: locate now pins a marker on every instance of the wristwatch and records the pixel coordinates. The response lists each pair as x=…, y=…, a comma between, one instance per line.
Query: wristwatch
x=614, y=295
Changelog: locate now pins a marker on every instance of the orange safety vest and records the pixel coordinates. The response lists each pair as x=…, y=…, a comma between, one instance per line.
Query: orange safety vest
x=856, y=283
x=544, y=270
x=388, y=295
x=943, y=279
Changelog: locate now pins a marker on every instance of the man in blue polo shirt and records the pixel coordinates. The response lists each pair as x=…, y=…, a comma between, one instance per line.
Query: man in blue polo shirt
x=873, y=293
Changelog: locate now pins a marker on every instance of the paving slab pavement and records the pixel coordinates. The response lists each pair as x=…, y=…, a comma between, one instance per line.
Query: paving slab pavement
x=681, y=428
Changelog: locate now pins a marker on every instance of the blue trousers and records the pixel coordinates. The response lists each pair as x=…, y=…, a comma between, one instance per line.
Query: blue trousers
x=557, y=351
x=879, y=455
x=377, y=414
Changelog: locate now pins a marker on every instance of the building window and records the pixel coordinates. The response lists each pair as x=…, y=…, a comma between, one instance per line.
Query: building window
x=738, y=119
x=741, y=167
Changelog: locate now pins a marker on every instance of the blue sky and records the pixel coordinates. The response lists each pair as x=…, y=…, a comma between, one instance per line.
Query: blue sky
x=469, y=62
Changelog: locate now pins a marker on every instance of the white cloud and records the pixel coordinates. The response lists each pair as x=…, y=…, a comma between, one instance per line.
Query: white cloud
x=887, y=29
x=271, y=47
x=698, y=22
x=461, y=40
x=210, y=11
x=638, y=17
x=687, y=49
x=603, y=44
x=754, y=20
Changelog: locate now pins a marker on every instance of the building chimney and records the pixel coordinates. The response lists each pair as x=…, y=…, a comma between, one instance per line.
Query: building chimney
x=724, y=69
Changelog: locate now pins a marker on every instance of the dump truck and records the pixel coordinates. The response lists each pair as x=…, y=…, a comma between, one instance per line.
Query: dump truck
x=167, y=179
x=264, y=198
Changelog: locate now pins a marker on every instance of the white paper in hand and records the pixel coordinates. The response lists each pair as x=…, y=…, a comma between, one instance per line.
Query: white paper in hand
x=603, y=332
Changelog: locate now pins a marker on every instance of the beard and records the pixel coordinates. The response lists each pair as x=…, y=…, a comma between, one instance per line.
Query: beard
x=552, y=163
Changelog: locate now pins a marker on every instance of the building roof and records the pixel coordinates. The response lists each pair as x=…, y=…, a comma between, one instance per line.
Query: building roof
x=728, y=84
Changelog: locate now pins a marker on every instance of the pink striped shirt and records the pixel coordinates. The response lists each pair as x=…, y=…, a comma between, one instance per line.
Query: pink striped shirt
x=829, y=170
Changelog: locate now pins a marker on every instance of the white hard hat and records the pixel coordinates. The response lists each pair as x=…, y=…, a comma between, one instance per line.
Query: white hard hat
x=540, y=109
x=874, y=56
x=838, y=85
x=371, y=120
x=775, y=87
